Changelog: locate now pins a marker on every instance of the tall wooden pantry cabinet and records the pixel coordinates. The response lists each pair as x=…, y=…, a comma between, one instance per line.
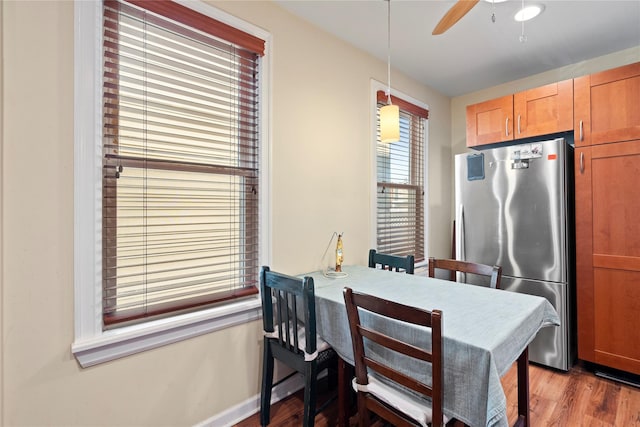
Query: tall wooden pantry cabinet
x=607, y=185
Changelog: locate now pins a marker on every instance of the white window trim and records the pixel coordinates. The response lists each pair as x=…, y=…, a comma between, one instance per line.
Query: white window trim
x=92, y=345
x=375, y=87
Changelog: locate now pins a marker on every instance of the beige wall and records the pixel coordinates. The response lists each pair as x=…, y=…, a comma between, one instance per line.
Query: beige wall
x=320, y=183
x=322, y=145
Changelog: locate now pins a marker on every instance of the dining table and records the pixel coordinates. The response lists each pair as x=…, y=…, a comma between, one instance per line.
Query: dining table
x=484, y=332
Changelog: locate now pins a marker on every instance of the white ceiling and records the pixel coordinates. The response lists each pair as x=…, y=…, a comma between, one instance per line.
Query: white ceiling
x=477, y=53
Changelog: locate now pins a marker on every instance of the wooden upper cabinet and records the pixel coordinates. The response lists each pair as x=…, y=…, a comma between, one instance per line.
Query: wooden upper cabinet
x=543, y=110
x=606, y=106
x=490, y=121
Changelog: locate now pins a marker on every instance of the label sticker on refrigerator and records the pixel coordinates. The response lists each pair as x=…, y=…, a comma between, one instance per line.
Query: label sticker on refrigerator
x=527, y=151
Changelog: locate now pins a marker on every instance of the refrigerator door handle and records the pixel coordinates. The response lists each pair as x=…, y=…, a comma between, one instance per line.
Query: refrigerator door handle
x=460, y=237
x=463, y=255
x=460, y=234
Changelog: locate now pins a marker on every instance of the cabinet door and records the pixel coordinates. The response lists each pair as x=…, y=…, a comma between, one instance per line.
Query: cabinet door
x=584, y=254
x=609, y=294
x=582, y=111
x=607, y=107
x=543, y=110
x=489, y=122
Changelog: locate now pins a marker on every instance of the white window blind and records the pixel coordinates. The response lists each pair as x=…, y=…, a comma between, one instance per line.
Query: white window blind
x=400, y=184
x=181, y=169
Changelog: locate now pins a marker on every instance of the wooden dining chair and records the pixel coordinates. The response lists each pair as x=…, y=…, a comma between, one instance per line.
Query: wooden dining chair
x=493, y=272
x=391, y=262
x=376, y=380
x=289, y=321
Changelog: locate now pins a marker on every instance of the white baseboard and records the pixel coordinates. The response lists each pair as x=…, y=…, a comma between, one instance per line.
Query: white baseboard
x=250, y=406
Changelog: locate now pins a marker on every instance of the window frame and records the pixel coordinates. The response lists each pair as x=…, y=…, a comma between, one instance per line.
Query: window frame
x=376, y=86
x=91, y=344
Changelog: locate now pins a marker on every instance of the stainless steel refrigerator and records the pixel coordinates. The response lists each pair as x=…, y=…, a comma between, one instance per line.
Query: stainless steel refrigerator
x=514, y=208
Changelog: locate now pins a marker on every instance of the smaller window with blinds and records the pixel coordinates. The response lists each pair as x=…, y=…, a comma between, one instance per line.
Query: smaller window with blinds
x=400, y=183
x=180, y=161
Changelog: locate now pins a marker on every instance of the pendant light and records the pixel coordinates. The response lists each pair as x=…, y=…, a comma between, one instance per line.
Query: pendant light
x=389, y=114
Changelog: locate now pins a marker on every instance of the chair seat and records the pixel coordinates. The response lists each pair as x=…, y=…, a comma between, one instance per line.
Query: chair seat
x=413, y=406
x=321, y=345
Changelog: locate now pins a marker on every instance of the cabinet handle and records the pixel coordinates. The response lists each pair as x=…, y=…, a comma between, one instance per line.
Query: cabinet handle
x=519, y=132
x=581, y=132
x=582, y=163
x=506, y=126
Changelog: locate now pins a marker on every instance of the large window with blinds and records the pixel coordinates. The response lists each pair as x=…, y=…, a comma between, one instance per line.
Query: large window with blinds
x=181, y=163
x=400, y=184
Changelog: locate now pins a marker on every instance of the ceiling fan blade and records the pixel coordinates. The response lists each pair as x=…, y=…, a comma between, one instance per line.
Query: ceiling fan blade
x=454, y=14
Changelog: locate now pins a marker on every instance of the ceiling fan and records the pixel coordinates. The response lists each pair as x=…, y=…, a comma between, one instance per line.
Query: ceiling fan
x=453, y=15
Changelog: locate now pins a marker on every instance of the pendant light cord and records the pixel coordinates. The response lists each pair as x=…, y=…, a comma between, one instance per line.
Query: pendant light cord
x=523, y=37
x=389, y=52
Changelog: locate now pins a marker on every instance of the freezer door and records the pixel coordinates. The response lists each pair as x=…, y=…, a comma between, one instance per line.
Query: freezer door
x=478, y=211
x=553, y=346
x=511, y=211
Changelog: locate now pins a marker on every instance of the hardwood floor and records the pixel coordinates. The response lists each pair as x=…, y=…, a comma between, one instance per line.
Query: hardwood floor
x=576, y=398
x=288, y=413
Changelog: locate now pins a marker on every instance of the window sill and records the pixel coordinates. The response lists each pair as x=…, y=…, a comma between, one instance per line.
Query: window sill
x=117, y=343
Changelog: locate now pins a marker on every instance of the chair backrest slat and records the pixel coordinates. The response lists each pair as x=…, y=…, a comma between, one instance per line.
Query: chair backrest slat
x=494, y=272
x=398, y=377
x=395, y=345
x=280, y=313
x=391, y=262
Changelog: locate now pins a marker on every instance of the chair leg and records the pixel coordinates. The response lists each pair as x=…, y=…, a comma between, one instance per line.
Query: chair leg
x=364, y=418
x=267, y=383
x=344, y=392
x=332, y=374
x=310, y=392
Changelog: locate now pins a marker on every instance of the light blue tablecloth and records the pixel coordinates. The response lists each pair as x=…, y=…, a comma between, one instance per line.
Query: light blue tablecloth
x=484, y=331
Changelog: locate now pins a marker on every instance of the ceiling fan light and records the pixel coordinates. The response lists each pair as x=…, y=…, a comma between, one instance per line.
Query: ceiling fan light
x=528, y=12
x=390, y=123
